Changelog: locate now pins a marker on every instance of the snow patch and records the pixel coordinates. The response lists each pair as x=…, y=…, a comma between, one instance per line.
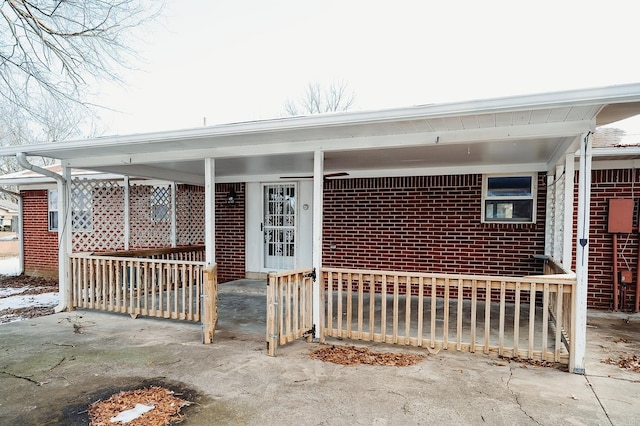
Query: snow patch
x=10, y=266
x=129, y=415
x=5, y=292
x=31, y=300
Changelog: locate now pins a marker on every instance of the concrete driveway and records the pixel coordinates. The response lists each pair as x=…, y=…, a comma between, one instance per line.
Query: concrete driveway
x=52, y=368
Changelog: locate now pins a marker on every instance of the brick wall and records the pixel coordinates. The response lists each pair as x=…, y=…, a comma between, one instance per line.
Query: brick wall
x=426, y=224
x=40, y=245
x=606, y=184
x=230, y=233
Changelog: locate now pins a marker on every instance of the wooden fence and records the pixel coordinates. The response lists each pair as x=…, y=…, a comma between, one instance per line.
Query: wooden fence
x=289, y=307
x=139, y=286
x=504, y=315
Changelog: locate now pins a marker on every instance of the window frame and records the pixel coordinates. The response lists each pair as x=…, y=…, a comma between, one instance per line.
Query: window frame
x=533, y=197
x=161, y=203
x=51, y=211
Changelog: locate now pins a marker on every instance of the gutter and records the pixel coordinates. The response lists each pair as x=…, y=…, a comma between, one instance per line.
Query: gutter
x=63, y=245
x=18, y=198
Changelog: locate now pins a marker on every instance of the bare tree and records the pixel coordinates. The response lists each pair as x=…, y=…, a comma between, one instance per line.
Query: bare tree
x=318, y=99
x=42, y=123
x=51, y=48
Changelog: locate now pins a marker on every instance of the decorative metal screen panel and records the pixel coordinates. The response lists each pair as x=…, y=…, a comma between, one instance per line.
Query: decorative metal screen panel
x=97, y=215
x=149, y=216
x=190, y=215
x=279, y=226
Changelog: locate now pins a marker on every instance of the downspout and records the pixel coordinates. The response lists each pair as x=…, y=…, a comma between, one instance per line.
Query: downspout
x=62, y=227
x=18, y=197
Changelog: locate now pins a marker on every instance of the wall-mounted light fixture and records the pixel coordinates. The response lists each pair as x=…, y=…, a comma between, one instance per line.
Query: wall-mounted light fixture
x=231, y=196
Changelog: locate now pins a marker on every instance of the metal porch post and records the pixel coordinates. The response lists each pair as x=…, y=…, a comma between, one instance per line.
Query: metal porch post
x=318, y=187
x=127, y=213
x=174, y=216
x=579, y=311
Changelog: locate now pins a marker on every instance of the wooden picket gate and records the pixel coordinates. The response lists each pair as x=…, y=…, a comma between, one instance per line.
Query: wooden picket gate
x=289, y=307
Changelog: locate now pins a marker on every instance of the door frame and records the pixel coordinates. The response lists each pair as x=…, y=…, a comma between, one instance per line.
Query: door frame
x=254, y=250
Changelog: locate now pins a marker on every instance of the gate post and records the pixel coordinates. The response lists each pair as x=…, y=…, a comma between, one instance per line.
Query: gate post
x=210, y=304
x=272, y=314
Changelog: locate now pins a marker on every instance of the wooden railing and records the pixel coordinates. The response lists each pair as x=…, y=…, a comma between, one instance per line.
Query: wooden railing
x=289, y=307
x=137, y=286
x=563, y=306
x=503, y=315
x=188, y=253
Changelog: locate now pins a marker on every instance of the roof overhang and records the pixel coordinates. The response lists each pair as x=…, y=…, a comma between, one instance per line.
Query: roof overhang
x=530, y=133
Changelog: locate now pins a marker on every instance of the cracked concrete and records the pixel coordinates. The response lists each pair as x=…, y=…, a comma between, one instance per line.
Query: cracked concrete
x=49, y=374
x=516, y=396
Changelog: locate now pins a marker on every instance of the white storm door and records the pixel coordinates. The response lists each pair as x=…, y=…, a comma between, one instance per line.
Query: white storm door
x=279, y=226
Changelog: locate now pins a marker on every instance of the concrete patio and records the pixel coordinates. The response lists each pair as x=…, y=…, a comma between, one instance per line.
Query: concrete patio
x=53, y=367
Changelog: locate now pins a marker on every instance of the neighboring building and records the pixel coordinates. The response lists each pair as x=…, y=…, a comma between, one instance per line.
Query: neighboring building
x=8, y=215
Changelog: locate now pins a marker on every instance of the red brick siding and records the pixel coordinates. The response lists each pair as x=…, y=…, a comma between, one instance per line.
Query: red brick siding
x=425, y=224
x=230, y=233
x=40, y=245
x=606, y=184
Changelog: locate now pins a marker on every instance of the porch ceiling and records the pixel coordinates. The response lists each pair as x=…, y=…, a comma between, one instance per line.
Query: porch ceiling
x=505, y=134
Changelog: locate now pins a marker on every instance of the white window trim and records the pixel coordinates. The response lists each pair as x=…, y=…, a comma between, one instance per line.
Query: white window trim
x=533, y=196
x=52, y=209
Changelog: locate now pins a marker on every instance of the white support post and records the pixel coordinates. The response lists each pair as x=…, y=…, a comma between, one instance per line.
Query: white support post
x=579, y=311
x=569, y=188
x=174, y=217
x=127, y=213
x=64, y=239
x=318, y=187
x=210, y=211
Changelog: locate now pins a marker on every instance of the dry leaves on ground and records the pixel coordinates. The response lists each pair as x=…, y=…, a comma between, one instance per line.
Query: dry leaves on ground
x=6, y=315
x=536, y=363
x=351, y=355
x=628, y=362
x=8, y=281
x=166, y=407
x=31, y=286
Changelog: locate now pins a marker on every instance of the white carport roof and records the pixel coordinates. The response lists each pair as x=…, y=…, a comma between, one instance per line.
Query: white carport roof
x=508, y=134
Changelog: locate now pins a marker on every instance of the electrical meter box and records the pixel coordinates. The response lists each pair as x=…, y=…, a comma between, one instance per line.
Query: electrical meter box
x=625, y=277
x=620, y=215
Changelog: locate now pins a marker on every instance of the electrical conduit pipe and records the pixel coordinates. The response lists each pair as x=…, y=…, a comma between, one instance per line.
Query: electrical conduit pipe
x=63, y=283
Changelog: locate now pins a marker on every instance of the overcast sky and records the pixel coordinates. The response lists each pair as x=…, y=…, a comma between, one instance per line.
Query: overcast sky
x=240, y=60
